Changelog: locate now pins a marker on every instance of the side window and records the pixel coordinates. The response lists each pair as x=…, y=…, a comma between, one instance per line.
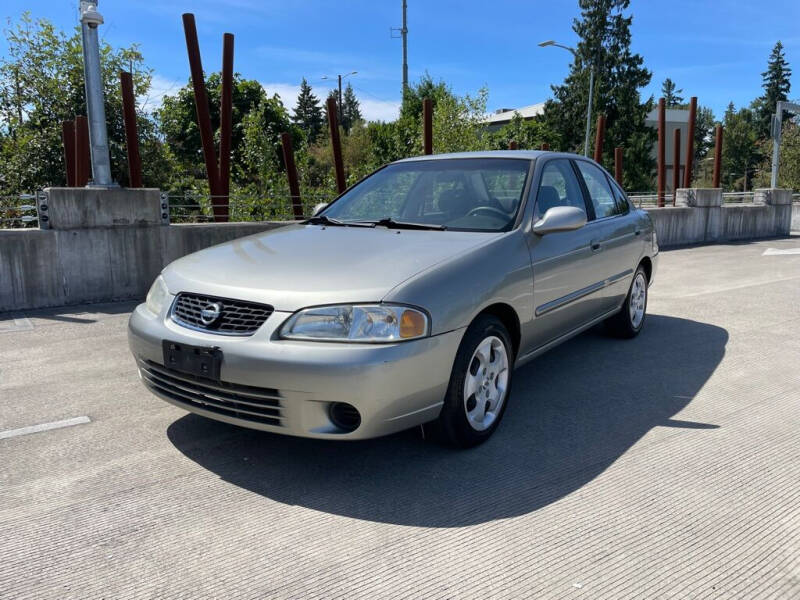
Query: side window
x=558, y=187
x=622, y=202
x=605, y=205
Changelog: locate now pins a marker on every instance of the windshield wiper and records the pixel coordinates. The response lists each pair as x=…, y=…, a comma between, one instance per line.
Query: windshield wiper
x=323, y=220
x=392, y=224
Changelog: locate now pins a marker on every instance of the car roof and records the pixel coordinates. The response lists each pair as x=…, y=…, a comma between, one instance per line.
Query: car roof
x=524, y=154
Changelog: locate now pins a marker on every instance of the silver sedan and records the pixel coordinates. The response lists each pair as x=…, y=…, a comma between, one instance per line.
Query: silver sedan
x=408, y=300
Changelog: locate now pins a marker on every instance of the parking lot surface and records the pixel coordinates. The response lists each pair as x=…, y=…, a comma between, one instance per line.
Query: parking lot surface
x=663, y=467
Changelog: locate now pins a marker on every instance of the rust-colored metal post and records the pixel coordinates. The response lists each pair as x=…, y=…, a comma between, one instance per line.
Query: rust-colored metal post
x=545, y=146
x=717, y=156
x=599, y=137
x=618, y=164
x=83, y=160
x=68, y=138
x=131, y=133
x=687, y=174
x=291, y=175
x=512, y=145
x=427, y=126
x=336, y=145
x=201, y=106
x=225, y=125
x=676, y=164
x=662, y=135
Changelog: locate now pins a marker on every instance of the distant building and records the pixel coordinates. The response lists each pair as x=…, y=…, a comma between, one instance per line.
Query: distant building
x=674, y=119
x=503, y=116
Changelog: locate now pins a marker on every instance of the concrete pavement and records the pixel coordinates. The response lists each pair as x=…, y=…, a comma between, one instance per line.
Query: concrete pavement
x=663, y=467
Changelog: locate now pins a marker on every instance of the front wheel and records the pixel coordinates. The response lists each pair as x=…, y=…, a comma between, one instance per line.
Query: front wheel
x=479, y=384
x=628, y=322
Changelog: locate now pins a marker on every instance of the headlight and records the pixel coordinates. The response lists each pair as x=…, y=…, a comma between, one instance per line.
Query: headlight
x=357, y=323
x=157, y=296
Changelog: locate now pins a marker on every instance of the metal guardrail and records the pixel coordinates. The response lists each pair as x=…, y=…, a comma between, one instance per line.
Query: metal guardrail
x=188, y=207
x=650, y=199
x=25, y=211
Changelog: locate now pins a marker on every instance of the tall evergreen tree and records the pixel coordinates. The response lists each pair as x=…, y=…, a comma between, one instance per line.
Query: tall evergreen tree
x=776, y=84
x=670, y=93
x=605, y=38
x=351, y=110
x=308, y=113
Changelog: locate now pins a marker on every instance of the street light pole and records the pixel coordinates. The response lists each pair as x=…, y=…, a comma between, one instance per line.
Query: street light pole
x=591, y=92
x=93, y=83
x=589, y=111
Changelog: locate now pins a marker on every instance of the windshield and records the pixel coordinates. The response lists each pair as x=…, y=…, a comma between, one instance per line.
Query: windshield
x=472, y=194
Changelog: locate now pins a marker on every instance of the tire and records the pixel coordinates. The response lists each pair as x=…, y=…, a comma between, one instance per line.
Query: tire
x=483, y=365
x=629, y=321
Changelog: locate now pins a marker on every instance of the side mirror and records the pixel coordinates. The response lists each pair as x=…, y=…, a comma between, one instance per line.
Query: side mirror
x=560, y=218
x=319, y=208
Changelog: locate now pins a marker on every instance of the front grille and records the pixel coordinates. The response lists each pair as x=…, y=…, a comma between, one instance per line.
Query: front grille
x=259, y=405
x=236, y=317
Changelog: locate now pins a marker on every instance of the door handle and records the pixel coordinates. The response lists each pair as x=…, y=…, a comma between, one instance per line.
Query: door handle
x=637, y=232
x=596, y=247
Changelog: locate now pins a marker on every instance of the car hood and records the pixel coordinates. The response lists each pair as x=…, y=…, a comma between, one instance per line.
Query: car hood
x=305, y=265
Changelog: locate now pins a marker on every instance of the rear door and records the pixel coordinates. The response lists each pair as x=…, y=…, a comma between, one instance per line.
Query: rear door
x=564, y=290
x=614, y=234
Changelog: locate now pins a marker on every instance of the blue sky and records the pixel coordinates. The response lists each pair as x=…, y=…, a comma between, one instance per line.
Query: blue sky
x=715, y=50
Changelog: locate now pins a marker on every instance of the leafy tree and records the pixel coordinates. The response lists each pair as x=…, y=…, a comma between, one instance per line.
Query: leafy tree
x=740, y=152
x=671, y=95
x=351, y=111
x=41, y=85
x=529, y=135
x=703, y=135
x=178, y=120
x=776, y=84
x=459, y=123
x=605, y=41
x=789, y=167
x=308, y=114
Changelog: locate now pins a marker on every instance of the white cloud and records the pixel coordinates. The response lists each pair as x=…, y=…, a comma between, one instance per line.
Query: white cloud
x=160, y=87
x=372, y=109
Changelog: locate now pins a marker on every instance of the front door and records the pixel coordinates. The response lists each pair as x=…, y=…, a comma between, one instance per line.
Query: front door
x=565, y=286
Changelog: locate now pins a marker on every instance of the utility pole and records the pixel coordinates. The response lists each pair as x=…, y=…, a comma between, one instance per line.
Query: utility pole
x=93, y=81
x=403, y=31
x=340, y=77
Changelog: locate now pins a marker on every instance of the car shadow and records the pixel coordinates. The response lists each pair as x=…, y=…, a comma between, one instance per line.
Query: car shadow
x=574, y=411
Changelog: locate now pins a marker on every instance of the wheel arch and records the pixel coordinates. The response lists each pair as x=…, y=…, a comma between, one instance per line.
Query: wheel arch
x=509, y=317
x=647, y=264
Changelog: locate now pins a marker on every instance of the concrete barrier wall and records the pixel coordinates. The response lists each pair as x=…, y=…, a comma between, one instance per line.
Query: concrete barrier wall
x=89, y=257
x=99, y=252
x=702, y=218
x=795, y=217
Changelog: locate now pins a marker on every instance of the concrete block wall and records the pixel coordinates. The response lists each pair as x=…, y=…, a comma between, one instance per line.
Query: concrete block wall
x=98, y=252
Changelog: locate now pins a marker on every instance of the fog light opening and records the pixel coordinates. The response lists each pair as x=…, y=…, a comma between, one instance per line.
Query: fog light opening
x=345, y=416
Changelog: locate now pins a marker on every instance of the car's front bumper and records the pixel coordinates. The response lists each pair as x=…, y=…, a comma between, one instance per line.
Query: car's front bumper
x=393, y=386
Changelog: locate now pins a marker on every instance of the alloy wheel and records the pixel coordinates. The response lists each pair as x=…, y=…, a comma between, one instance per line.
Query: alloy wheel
x=486, y=382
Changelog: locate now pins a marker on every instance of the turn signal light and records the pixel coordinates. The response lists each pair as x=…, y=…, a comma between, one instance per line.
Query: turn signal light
x=412, y=324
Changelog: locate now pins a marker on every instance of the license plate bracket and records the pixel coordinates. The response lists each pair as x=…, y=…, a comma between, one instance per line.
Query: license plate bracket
x=201, y=361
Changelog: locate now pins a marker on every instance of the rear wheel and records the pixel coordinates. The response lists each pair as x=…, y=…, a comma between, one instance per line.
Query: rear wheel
x=479, y=384
x=629, y=321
